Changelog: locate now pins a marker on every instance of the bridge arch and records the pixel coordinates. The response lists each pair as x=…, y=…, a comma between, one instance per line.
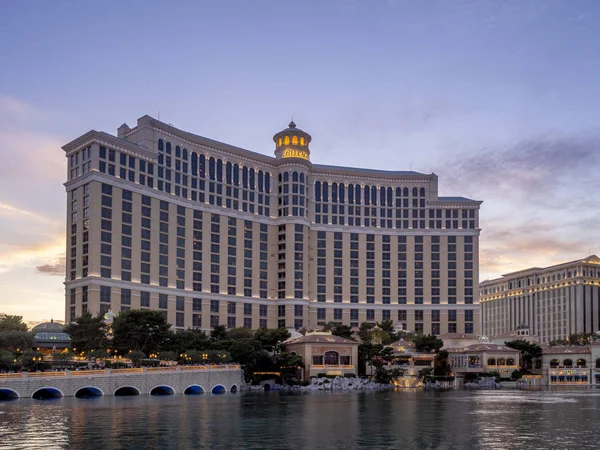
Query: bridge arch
x=8, y=394
x=233, y=389
x=218, y=389
x=47, y=393
x=162, y=390
x=194, y=389
x=88, y=392
x=126, y=390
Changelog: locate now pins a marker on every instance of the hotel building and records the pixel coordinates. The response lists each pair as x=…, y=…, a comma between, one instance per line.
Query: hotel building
x=555, y=301
x=213, y=234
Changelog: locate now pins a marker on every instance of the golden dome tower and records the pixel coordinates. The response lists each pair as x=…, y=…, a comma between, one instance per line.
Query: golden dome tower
x=292, y=143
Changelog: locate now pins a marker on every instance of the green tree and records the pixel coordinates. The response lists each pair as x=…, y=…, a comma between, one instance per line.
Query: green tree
x=11, y=323
x=144, y=330
x=240, y=333
x=440, y=364
x=7, y=360
x=364, y=331
x=289, y=365
x=219, y=332
x=271, y=338
x=14, y=339
x=529, y=351
x=189, y=340
x=88, y=333
x=427, y=343
x=136, y=357
x=338, y=329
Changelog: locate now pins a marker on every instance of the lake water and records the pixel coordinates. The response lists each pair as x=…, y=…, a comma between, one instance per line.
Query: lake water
x=507, y=419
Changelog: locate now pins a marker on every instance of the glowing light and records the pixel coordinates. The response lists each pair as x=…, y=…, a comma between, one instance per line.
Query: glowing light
x=290, y=153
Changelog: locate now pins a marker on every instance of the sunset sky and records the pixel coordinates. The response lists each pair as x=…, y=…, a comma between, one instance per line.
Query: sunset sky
x=501, y=99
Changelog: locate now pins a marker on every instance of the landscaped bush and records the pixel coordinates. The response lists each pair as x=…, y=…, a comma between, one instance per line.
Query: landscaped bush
x=350, y=375
x=321, y=375
x=325, y=381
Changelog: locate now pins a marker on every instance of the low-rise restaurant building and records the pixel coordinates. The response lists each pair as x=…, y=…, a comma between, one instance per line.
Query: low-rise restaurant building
x=324, y=353
x=482, y=358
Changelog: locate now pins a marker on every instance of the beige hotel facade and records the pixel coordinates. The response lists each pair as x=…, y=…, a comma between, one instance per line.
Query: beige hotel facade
x=210, y=234
x=553, y=301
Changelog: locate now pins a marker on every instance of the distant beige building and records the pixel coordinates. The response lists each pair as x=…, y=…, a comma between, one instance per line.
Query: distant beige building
x=554, y=302
x=211, y=234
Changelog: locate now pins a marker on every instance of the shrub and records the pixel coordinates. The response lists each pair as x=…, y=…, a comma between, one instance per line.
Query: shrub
x=278, y=380
x=326, y=380
x=516, y=375
x=350, y=375
x=321, y=375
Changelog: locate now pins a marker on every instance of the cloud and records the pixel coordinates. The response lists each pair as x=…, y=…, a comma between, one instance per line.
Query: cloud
x=530, y=168
x=55, y=267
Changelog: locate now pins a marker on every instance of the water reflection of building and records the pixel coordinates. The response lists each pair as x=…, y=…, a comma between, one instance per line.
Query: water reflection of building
x=324, y=353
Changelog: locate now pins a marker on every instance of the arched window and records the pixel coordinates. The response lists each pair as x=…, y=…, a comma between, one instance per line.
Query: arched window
x=568, y=362
x=491, y=362
x=325, y=191
x=177, y=151
x=228, y=172
x=357, y=194
x=422, y=192
x=390, y=195
x=398, y=192
x=342, y=193
x=510, y=362
x=415, y=192
x=581, y=362
x=161, y=145
x=286, y=177
x=252, y=173
x=286, y=140
x=334, y=192
x=405, y=192
x=382, y=192
x=219, y=170
x=301, y=177
x=202, y=166
x=295, y=140
x=194, y=164
x=211, y=168
x=317, y=191
x=185, y=154
x=279, y=142
x=236, y=175
x=598, y=363
x=295, y=177
x=501, y=362
x=554, y=363
x=351, y=194
x=168, y=147
x=367, y=195
x=245, y=177
x=374, y=195
x=261, y=180
x=268, y=183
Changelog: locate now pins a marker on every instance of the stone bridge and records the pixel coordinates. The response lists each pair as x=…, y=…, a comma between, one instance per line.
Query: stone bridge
x=216, y=379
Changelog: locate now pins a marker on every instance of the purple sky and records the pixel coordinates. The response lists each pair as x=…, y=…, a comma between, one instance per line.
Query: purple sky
x=500, y=98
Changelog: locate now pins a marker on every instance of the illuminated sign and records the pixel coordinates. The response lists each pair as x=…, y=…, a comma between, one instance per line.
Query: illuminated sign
x=290, y=153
